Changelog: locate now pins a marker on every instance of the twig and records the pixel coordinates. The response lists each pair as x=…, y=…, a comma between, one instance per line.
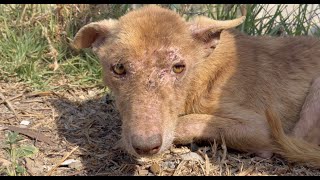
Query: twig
x=31, y=133
x=33, y=101
x=228, y=172
x=224, y=148
x=246, y=172
x=53, y=52
x=31, y=21
x=75, y=173
x=9, y=105
x=10, y=99
x=61, y=161
x=86, y=133
x=23, y=12
x=207, y=165
x=177, y=171
x=214, y=149
x=203, y=169
x=45, y=93
x=206, y=168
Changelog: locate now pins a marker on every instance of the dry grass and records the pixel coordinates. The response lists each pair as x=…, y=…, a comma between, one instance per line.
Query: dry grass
x=82, y=118
x=35, y=49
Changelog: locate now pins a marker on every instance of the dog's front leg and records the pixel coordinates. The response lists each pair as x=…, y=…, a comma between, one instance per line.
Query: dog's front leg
x=249, y=135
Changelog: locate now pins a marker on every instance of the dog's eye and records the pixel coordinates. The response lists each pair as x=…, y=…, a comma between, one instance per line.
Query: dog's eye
x=178, y=68
x=119, y=69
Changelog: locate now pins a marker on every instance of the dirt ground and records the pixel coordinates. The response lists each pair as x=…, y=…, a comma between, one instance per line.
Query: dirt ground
x=83, y=125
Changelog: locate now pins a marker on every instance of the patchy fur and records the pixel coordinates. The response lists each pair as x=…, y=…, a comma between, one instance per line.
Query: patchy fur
x=228, y=81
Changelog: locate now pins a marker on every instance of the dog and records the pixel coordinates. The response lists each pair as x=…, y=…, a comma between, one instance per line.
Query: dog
x=178, y=81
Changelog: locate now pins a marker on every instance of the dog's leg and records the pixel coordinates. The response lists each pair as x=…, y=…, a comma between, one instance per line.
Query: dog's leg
x=250, y=134
x=309, y=123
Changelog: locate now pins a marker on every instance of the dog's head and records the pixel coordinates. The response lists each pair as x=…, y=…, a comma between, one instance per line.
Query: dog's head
x=147, y=57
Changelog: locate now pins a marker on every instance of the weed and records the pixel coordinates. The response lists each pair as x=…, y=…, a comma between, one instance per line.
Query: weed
x=16, y=153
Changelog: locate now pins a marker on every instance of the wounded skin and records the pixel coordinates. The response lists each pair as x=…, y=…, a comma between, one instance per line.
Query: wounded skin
x=227, y=82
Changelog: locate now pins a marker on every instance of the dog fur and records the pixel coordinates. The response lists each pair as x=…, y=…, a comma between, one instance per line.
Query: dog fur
x=228, y=82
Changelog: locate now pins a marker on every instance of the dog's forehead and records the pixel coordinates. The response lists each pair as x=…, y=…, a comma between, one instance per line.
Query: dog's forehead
x=166, y=55
x=151, y=28
x=152, y=19
x=157, y=59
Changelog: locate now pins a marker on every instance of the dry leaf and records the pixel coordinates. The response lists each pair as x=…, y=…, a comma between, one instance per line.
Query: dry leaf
x=143, y=172
x=192, y=156
x=155, y=168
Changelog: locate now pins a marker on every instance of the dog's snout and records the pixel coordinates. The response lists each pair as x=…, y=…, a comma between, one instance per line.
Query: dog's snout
x=147, y=145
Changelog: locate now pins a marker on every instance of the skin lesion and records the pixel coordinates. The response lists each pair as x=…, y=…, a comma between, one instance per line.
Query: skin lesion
x=210, y=58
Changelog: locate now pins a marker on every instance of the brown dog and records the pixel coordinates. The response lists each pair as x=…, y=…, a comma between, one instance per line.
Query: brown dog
x=178, y=81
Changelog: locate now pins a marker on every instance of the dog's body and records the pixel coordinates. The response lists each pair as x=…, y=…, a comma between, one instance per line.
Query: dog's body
x=184, y=81
x=251, y=74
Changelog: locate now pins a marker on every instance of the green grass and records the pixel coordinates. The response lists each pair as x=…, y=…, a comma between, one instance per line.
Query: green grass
x=24, y=47
x=16, y=152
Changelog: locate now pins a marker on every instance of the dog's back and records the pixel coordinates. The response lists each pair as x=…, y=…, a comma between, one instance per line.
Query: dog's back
x=256, y=72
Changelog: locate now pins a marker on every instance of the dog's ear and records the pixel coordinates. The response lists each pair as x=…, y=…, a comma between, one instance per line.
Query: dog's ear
x=208, y=30
x=94, y=34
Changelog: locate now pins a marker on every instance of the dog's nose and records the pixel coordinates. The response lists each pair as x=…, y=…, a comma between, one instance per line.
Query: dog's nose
x=146, y=146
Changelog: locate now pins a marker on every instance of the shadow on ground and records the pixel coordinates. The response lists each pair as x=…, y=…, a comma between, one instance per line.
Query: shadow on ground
x=94, y=125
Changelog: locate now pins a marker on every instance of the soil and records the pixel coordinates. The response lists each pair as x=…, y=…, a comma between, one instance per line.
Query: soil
x=82, y=124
